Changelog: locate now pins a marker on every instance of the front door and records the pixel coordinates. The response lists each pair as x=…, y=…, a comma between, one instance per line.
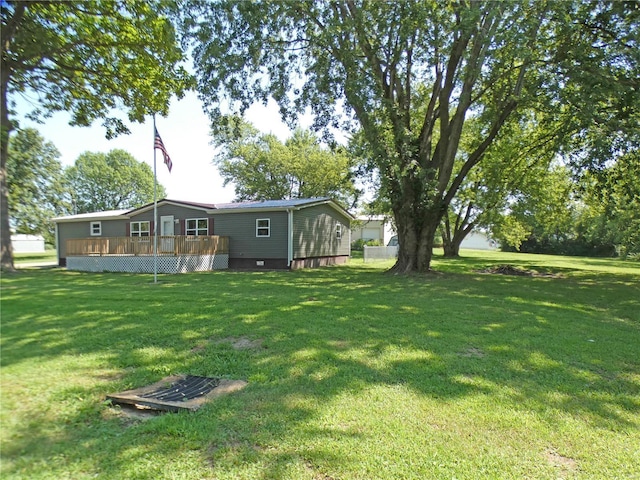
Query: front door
x=166, y=234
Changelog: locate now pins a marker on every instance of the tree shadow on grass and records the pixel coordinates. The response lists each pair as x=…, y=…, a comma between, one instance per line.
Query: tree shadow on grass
x=324, y=334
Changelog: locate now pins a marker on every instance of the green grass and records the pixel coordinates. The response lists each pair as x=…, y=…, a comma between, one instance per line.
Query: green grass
x=24, y=258
x=359, y=374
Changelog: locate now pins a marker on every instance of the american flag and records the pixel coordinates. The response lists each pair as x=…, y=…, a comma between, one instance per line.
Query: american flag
x=158, y=144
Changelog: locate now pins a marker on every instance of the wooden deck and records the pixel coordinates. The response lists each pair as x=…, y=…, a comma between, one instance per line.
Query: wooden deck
x=138, y=246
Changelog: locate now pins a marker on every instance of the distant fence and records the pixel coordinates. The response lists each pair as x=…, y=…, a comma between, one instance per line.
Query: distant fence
x=379, y=253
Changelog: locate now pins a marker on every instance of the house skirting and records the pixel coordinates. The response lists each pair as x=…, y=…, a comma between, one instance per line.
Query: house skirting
x=316, y=262
x=146, y=264
x=258, y=263
x=281, y=263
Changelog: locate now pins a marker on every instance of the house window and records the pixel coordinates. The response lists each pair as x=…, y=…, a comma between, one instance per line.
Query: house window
x=339, y=231
x=140, y=229
x=96, y=229
x=263, y=227
x=197, y=226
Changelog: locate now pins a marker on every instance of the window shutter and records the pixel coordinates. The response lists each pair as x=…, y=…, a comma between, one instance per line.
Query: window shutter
x=210, y=226
x=151, y=225
x=127, y=229
x=183, y=227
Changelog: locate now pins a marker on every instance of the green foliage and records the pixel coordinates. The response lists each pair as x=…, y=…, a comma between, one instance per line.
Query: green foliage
x=360, y=243
x=541, y=211
x=511, y=168
x=92, y=59
x=263, y=168
x=548, y=201
x=596, y=215
x=35, y=182
x=598, y=56
x=412, y=74
x=511, y=233
x=110, y=181
x=611, y=205
x=352, y=374
x=89, y=58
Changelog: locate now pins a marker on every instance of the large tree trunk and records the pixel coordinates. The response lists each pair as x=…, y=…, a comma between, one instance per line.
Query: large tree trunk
x=447, y=239
x=451, y=246
x=6, y=262
x=416, y=234
x=454, y=234
x=6, y=126
x=452, y=240
x=451, y=249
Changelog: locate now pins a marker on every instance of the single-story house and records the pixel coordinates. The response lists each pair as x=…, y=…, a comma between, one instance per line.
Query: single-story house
x=22, y=243
x=372, y=227
x=271, y=234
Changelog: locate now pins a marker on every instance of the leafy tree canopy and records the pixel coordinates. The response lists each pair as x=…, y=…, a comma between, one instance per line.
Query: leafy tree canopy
x=110, y=181
x=262, y=167
x=35, y=181
x=89, y=58
x=512, y=167
x=411, y=74
x=610, y=203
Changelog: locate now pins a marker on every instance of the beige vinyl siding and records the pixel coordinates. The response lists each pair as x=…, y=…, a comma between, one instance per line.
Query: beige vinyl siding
x=241, y=228
x=314, y=232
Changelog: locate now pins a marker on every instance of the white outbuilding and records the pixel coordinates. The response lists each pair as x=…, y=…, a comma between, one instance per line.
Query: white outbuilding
x=27, y=243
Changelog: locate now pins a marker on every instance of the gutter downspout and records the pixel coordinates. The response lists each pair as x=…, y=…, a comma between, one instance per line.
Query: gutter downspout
x=57, y=244
x=290, y=237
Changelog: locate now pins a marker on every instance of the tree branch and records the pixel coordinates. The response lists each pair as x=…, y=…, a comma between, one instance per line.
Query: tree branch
x=477, y=154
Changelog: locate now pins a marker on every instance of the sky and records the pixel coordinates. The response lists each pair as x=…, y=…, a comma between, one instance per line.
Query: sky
x=184, y=132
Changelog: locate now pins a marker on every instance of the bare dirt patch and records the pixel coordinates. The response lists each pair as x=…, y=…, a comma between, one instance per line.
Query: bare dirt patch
x=472, y=352
x=566, y=464
x=129, y=414
x=199, y=348
x=243, y=343
x=237, y=343
x=313, y=470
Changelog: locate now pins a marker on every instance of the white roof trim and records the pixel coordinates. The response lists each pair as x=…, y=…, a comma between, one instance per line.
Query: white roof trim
x=223, y=209
x=279, y=208
x=106, y=215
x=177, y=203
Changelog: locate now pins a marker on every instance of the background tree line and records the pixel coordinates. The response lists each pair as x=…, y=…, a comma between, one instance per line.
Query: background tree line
x=41, y=189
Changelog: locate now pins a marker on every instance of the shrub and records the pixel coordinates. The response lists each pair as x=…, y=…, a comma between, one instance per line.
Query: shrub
x=360, y=243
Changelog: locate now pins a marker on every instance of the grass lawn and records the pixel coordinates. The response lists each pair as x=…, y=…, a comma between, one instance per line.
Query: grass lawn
x=353, y=373
x=27, y=258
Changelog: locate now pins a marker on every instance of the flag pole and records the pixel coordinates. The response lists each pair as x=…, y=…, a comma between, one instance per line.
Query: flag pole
x=155, y=208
